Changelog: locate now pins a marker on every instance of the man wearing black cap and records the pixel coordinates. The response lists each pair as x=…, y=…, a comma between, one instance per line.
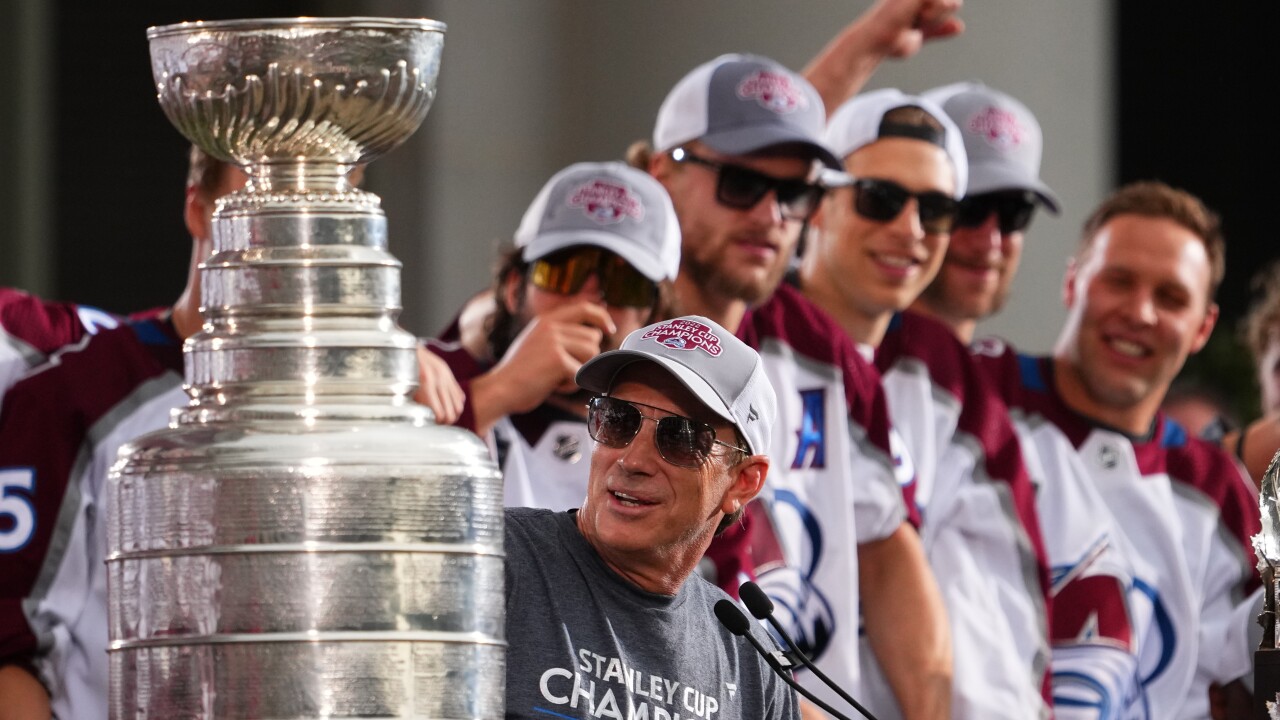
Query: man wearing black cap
x=605, y=615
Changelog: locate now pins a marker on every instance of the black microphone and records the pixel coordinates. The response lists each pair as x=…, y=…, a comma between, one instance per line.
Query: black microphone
x=738, y=624
x=762, y=607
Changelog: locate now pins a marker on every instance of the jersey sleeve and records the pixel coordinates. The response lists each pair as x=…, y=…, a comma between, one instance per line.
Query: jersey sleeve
x=882, y=464
x=1226, y=517
x=465, y=369
x=981, y=529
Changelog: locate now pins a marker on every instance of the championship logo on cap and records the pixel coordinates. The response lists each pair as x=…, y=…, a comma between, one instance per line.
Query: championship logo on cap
x=607, y=202
x=686, y=335
x=773, y=91
x=999, y=127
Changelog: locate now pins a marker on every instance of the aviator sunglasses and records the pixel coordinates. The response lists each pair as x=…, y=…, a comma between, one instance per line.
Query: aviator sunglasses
x=883, y=200
x=564, y=273
x=741, y=188
x=1013, y=210
x=681, y=441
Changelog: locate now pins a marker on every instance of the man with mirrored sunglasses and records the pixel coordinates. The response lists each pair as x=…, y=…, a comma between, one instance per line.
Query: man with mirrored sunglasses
x=831, y=543
x=593, y=256
x=878, y=240
x=605, y=614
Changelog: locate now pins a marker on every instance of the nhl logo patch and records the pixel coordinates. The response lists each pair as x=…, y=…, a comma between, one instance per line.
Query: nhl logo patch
x=773, y=91
x=998, y=127
x=1108, y=457
x=607, y=202
x=568, y=448
x=686, y=335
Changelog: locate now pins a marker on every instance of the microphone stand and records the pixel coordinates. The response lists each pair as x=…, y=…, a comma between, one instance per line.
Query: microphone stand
x=762, y=608
x=738, y=624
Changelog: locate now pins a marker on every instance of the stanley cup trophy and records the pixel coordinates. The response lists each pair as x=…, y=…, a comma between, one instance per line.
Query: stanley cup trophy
x=303, y=541
x=1266, y=672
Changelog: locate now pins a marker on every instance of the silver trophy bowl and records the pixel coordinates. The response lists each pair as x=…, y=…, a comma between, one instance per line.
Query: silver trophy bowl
x=303, y=541
x=342, y=90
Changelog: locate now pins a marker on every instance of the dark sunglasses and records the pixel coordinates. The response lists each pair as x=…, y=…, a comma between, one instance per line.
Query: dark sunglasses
x=1013, y=209
x=564, y=272
x=680, y=440
x=741, y=188
x=883, y=200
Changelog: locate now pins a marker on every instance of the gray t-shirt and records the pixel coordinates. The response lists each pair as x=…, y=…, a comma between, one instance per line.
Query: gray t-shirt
x=586, y=643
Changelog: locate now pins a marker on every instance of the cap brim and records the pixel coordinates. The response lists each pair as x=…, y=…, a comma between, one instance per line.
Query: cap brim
x=597, y=375
x=993, y=178
x=747, y=140
x=646, y=263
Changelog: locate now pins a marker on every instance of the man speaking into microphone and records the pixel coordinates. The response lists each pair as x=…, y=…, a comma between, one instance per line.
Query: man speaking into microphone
x=605, y=616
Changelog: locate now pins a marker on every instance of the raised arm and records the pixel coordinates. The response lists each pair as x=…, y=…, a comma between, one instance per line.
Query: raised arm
x=889, y=29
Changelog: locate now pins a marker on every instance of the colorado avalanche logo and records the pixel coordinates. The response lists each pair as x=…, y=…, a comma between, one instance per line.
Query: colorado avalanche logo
x=999, y=127
x=686, y=335
x=607, y=202
x=774, y=91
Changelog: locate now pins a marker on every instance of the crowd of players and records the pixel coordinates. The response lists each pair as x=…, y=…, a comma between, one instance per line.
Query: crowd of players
x=948, y=527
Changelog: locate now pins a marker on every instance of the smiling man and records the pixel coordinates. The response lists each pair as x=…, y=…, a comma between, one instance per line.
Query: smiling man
x=1139, y=295
x=605, y=616
x=878, y=241
x=1093, y=672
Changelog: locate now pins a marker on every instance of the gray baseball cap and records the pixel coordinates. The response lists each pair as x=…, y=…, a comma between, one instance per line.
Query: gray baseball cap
x=860, y=122
x=739, y=104
x=609, y=205
x=1001, y=136
x=723, y=372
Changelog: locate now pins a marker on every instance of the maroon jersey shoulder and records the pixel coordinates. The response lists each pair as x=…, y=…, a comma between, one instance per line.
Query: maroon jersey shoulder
x=1210, y=471
x=793, y=320
x=48, y=422
x=45, y=325
x=1025, y=384
x=984, y=416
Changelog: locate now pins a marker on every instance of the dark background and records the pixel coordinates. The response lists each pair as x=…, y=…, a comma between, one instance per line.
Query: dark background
x=1196, y=85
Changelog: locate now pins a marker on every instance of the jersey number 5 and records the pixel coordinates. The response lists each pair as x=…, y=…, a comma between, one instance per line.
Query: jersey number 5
x=17, y=515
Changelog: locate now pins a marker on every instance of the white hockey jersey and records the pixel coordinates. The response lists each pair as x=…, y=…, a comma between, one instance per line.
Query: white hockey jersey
x=1180, y=514
x=833, y=483
x=980, y=528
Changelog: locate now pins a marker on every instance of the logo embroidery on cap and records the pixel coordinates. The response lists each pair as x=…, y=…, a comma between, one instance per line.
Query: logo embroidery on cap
x=607, y=202
x=999, y=127
x=686, y=335
x=774, y=91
